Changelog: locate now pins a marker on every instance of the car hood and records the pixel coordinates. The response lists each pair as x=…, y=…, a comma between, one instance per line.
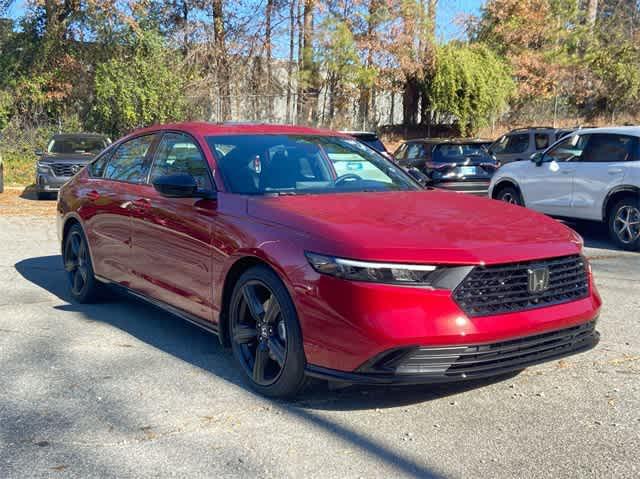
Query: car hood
x=67, y=157
x=421, y=227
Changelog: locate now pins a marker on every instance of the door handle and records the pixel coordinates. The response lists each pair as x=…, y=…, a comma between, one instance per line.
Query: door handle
x=615, y=171
x=141, y=204
x=93, y=195
x=567, y=172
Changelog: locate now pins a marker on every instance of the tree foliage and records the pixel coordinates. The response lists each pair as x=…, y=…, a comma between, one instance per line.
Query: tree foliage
x=471, y=83
x=141, y=86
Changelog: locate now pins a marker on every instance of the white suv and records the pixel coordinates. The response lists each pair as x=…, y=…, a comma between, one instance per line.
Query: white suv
x=593, y=174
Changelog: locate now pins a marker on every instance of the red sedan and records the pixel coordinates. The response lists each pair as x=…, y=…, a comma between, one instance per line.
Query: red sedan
x=312, y=255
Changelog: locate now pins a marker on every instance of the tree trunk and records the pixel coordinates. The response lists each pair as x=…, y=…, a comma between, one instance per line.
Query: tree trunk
x=592, y=12
x=364, y=101
x=221, y=63
x=310, y=90
x=292, y=34
x=410, y=101
x=269, y=91
x=299, y=87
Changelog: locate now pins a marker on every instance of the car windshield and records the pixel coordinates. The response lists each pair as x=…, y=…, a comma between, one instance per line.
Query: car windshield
x=458, y=152
x=77, y=145
x=296, y=164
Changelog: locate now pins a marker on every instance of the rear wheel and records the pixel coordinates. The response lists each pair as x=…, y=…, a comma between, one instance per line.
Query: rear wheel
x=624, y=224
x=509, y=194
x=265, y=334
x=83, y=286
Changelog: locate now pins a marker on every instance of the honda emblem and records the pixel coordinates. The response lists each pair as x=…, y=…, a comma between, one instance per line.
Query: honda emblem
x=538, y=280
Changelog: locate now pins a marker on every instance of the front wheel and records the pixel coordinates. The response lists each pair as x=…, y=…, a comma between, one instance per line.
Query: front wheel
x=265, y=334
x=624, y=224
x=509, y=194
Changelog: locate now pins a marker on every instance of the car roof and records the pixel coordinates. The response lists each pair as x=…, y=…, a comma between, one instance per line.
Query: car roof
x=455, y=141
x=358, y=133
x=618, y=130
x=64, y=136
x=216, y=129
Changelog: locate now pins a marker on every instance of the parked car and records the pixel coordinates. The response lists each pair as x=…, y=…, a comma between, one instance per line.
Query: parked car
x=311, y=255
x=66, y=155
x=593, y=174
x=1, y=174
x=455, y=164
x=370, y=139
x=521, y=143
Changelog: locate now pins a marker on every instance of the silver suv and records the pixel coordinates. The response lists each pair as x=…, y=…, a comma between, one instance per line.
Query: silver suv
x=520, y=144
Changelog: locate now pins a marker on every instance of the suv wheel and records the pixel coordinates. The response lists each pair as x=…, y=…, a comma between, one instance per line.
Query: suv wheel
x=265, y=334
x=624, y=224
x=83, y=285
x=509, y=194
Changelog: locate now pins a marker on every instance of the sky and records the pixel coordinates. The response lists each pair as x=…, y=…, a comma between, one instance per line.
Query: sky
x=451, y=10
x=448, y=12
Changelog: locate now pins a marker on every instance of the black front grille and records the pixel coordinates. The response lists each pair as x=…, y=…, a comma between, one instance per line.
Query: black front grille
x=504, y=288
x=491, y=359
x=66, y=169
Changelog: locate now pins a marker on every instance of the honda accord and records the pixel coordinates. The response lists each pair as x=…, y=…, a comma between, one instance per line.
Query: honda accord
x=311, y=255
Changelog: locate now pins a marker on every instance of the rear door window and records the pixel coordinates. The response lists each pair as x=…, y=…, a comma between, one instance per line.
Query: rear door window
x=179, y=154
x=128, y=163
x=609, y=148
x=541, y=140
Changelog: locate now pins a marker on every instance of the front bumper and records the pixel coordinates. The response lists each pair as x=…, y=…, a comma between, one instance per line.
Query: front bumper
x=46, y=183
x=349, y=325
x=424, y=365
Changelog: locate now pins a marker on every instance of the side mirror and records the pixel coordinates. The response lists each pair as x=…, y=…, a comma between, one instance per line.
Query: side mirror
x=420, y=177
x=537, y=158
x=177, y=186
x=39, y=152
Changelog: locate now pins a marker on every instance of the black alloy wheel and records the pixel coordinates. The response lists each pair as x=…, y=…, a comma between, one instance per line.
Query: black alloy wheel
x=265, y=334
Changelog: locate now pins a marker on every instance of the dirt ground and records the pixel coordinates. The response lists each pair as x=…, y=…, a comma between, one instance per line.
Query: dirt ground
x=21, y=201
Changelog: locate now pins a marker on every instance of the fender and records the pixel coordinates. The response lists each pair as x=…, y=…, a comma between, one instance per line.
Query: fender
x=617, y=189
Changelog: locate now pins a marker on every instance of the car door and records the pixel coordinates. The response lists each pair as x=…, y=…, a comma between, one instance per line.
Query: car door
x=547, y=185
x=601, y=168
x=172, y=237
x=108, y=194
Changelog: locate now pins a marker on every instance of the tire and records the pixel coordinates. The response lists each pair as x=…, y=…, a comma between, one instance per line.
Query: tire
x=624, y=224
x=265, y=335
x=509, y=194
x=83, y=285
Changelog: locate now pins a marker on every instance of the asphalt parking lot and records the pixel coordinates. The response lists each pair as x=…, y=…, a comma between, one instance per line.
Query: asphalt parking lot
x=121, y=389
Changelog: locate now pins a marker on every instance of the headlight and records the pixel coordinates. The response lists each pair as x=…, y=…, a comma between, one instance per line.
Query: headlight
x=43, y=167
x=414, y=274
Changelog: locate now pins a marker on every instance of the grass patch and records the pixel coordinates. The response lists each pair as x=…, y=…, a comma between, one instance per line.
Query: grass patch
x=19, y=168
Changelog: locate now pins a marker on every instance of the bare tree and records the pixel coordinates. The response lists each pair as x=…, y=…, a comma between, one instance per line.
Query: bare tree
x=220, y=61
x=292, y=34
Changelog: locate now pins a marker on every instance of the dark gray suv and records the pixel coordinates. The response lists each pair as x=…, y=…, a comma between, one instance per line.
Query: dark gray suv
x=520, y=144
x=66, y=155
